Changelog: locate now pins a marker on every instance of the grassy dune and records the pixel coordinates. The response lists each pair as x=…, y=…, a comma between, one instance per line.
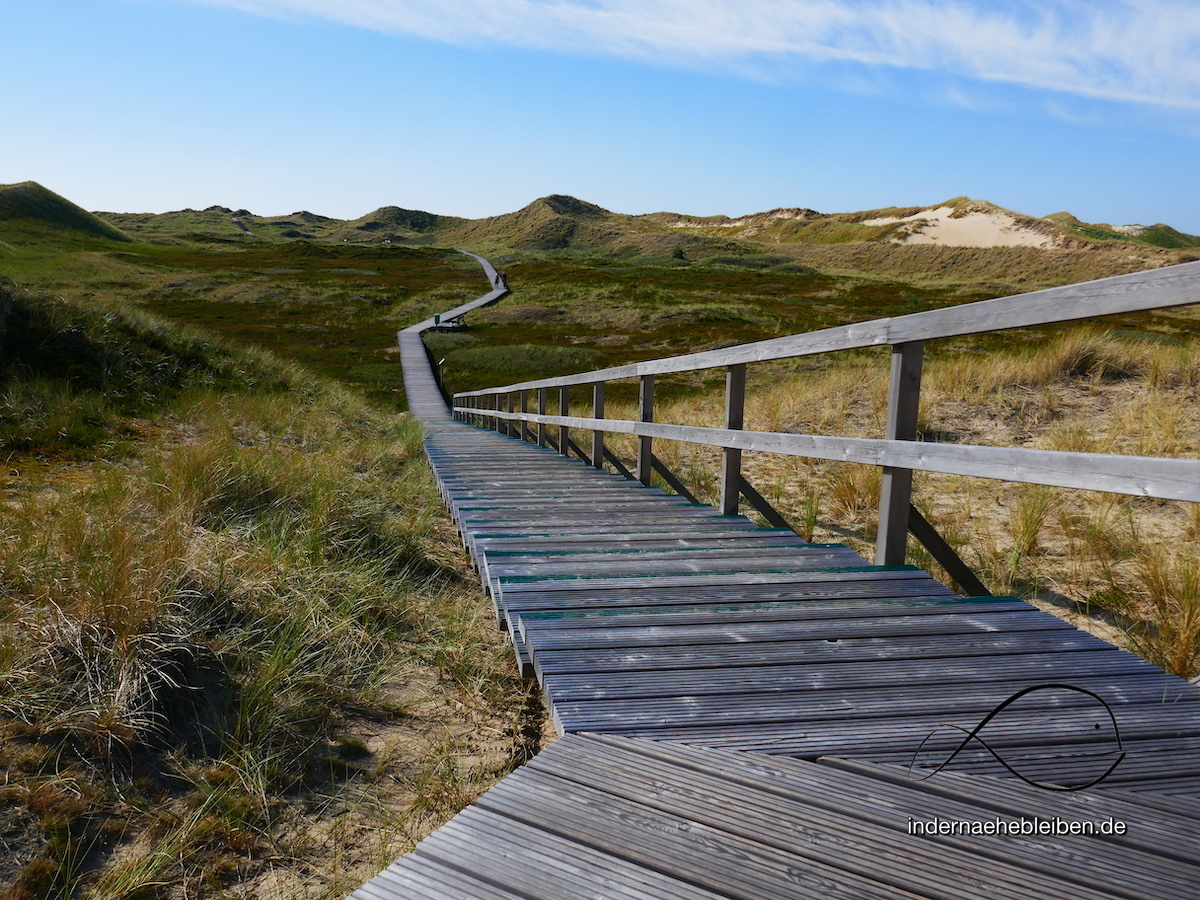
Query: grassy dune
x=234, y=624
x=29, y=213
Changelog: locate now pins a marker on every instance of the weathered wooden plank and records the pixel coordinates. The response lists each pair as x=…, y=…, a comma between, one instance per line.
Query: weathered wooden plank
x=564, y=546
x=1134, y=861
x=822, y=588
x=648, y=566
x=731, y=865
x=542, y=864
x=806, y=708
x=1045, y=667
x=933, y=648
x=605, y=616
x=546, y=636
x=813, y=824
x=779, y=579
x=596, y=552
x=901, y=736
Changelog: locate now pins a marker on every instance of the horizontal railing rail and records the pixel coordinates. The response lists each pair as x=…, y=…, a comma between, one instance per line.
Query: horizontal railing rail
x=898, y=452
x=1137, y=292
x=1140, y=476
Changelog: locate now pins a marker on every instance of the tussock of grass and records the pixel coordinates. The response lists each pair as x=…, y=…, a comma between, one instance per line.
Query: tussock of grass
x=225, y=610
x=185, y=630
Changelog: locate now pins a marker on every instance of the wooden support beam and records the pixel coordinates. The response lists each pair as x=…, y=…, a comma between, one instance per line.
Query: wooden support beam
x=579, y=451
x=672, y=480
x=542, y=435
x=760, y=503
x=895, y=496
x=645, y=451
x=564, y=438
x=524, y=409
x=945, y=555
x=598, y=435
x=621, y=468
x=731, y=457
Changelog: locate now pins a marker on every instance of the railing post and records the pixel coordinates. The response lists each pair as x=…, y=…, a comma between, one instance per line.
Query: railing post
x=731, y=457
x=598, y=435
x=645, y=447
x=510, y=427
x=498, y=423
x=524, y=409
x=895, y=495
x=541, y=429
x=563, y=438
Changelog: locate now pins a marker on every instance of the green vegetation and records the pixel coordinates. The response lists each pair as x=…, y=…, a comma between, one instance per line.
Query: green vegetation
x=230, y=604
x=520, y=360
x=334, y=309
x=236, y=631
x=31, y=214
x=75, y=377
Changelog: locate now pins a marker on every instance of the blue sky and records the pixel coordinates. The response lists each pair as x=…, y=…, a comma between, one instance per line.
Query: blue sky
x=476, y=107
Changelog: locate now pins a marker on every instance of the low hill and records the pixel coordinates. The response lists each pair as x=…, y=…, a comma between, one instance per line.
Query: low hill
x=548, y=223
x=560, y=222
x=395, y=225
x=215, y=221
x=30, y=213
x=1160, y=235
x=960, y=240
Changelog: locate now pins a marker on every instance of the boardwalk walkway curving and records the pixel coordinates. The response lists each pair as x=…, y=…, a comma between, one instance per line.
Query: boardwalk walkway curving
x=739, y=709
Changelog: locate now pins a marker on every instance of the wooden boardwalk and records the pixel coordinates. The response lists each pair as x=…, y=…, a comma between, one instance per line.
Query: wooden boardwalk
x=628, y=819
x=739, y=710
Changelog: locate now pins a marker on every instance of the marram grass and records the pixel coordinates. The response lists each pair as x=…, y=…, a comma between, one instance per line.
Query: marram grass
x=187, y=627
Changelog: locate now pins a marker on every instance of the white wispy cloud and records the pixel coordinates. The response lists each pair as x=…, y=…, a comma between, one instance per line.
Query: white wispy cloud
x=1134, y=51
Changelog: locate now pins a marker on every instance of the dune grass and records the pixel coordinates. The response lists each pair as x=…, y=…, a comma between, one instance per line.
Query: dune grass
x=194, y=630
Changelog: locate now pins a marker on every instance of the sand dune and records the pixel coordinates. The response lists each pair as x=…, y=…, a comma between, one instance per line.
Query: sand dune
x=982, y=226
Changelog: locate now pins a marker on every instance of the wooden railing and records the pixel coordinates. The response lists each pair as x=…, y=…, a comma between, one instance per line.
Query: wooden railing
x=506, y=409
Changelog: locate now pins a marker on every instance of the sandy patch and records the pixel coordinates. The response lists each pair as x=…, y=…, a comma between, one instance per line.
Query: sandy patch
x=949, y=227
